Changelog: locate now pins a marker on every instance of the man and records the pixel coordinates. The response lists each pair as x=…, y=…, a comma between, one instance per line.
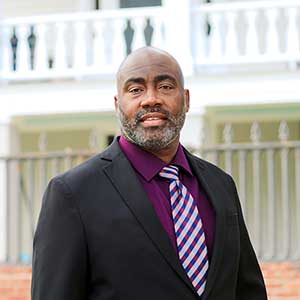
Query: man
x=145, y=219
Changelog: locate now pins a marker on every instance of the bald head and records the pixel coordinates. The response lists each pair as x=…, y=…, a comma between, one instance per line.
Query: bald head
x=151, y=103
x=147, y=58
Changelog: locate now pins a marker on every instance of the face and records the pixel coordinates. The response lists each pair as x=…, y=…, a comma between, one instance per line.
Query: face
x=151, y=102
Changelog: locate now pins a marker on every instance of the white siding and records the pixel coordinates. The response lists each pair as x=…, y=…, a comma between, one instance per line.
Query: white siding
x=13, y=8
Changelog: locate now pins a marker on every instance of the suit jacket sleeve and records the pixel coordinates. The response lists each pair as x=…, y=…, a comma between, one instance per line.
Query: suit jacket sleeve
x=250, y=282
x=59, y=267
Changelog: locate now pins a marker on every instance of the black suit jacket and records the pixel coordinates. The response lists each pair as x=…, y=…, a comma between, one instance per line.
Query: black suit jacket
x=98, y=238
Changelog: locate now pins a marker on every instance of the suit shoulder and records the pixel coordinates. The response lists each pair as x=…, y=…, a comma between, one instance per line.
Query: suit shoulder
x=92, y=166
x=83, y=174
x=86, y=168
x=211, y=168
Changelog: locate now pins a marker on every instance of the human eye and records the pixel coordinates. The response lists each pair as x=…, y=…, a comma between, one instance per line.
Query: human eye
x=166, y=86
x=135, y=90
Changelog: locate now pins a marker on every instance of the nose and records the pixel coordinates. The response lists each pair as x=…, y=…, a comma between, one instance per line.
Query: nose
x=151, y=99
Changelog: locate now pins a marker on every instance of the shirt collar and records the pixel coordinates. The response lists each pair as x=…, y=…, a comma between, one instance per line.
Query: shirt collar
x=147, y=164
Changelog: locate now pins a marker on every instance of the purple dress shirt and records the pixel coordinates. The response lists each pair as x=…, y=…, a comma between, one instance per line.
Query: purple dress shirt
x=147, y=166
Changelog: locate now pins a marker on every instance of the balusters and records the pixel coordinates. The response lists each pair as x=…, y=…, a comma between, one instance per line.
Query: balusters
x=68, y=159
x=99, y=45
x=215, y=49
x=283, y=135
x=7, y=59
x=42, y=145
x=31, y=194
x=94, y=140
x=13, y=210
x=55, y=166
x=80, y=45
x=270, y=28
x=200, y=41
x=118, y=42
x=297, y=199
x=41, y=55
x=42, y=142
x=60, y=59
x=221, y=45
x=272, y=43
x=8, y=211
x=138, y=37
x=243, y=181
x=255, y=135
x=271, y=206
x=157, y=38
x=272, y=212
x=252, y=45
x=231, y=46
x=23, y=53
x=228, y=137
x=292, y=46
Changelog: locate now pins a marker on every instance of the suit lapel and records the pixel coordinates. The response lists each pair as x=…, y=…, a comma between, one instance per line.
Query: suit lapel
x=216, y=199
x=124, y=179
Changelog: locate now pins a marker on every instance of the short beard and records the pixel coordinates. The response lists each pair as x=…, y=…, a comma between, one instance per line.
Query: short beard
x=151, y=138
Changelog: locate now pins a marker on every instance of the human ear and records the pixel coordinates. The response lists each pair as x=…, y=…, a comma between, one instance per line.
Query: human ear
x=116, y=103
x=187, y=100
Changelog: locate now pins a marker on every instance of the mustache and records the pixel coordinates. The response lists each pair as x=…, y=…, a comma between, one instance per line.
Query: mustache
x=143, y=112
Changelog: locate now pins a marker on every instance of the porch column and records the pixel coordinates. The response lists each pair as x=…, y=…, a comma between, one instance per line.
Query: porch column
x=178, y=31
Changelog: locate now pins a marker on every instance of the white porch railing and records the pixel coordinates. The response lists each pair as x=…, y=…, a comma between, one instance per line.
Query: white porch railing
x=74, y=45
x=94, y=43
x=246, y=32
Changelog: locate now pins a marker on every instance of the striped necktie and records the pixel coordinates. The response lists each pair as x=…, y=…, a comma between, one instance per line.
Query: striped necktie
x=190, y=237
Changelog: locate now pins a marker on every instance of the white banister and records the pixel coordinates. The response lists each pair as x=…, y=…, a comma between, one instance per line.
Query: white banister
x=6, y=63
x=292, y=31
x=157, y=38
x=23, y=54
x=246, y=5
x=118, y=43
x=231, y=45
x=60, y=59
x=272, y=43
x=138, y=37
x=80, y=45
x=99, y=47
x=216, y=46
x=199, y=39
x=94, y=42
x=252, y=45
x=41, y=55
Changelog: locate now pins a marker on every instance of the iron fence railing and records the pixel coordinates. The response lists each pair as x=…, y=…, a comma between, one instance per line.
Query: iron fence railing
x=267, y=175
x=24, y=178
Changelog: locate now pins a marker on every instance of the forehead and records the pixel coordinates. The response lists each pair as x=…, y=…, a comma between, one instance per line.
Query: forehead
x=148, y=67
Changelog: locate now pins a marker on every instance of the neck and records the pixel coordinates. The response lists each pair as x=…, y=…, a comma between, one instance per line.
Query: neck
x=167, y=154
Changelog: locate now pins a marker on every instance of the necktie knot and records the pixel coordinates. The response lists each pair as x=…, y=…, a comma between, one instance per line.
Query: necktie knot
x=170, y=172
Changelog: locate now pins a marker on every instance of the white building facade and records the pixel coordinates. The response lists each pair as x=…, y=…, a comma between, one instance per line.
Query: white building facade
x=60, y=57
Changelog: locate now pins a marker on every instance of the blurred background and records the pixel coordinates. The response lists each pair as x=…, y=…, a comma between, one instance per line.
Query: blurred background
x=241, y=62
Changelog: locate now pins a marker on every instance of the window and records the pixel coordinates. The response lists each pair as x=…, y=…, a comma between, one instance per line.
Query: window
x=139, y=3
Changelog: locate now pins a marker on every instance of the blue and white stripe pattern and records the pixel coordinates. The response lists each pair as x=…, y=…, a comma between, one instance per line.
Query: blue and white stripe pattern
x=189, y=232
